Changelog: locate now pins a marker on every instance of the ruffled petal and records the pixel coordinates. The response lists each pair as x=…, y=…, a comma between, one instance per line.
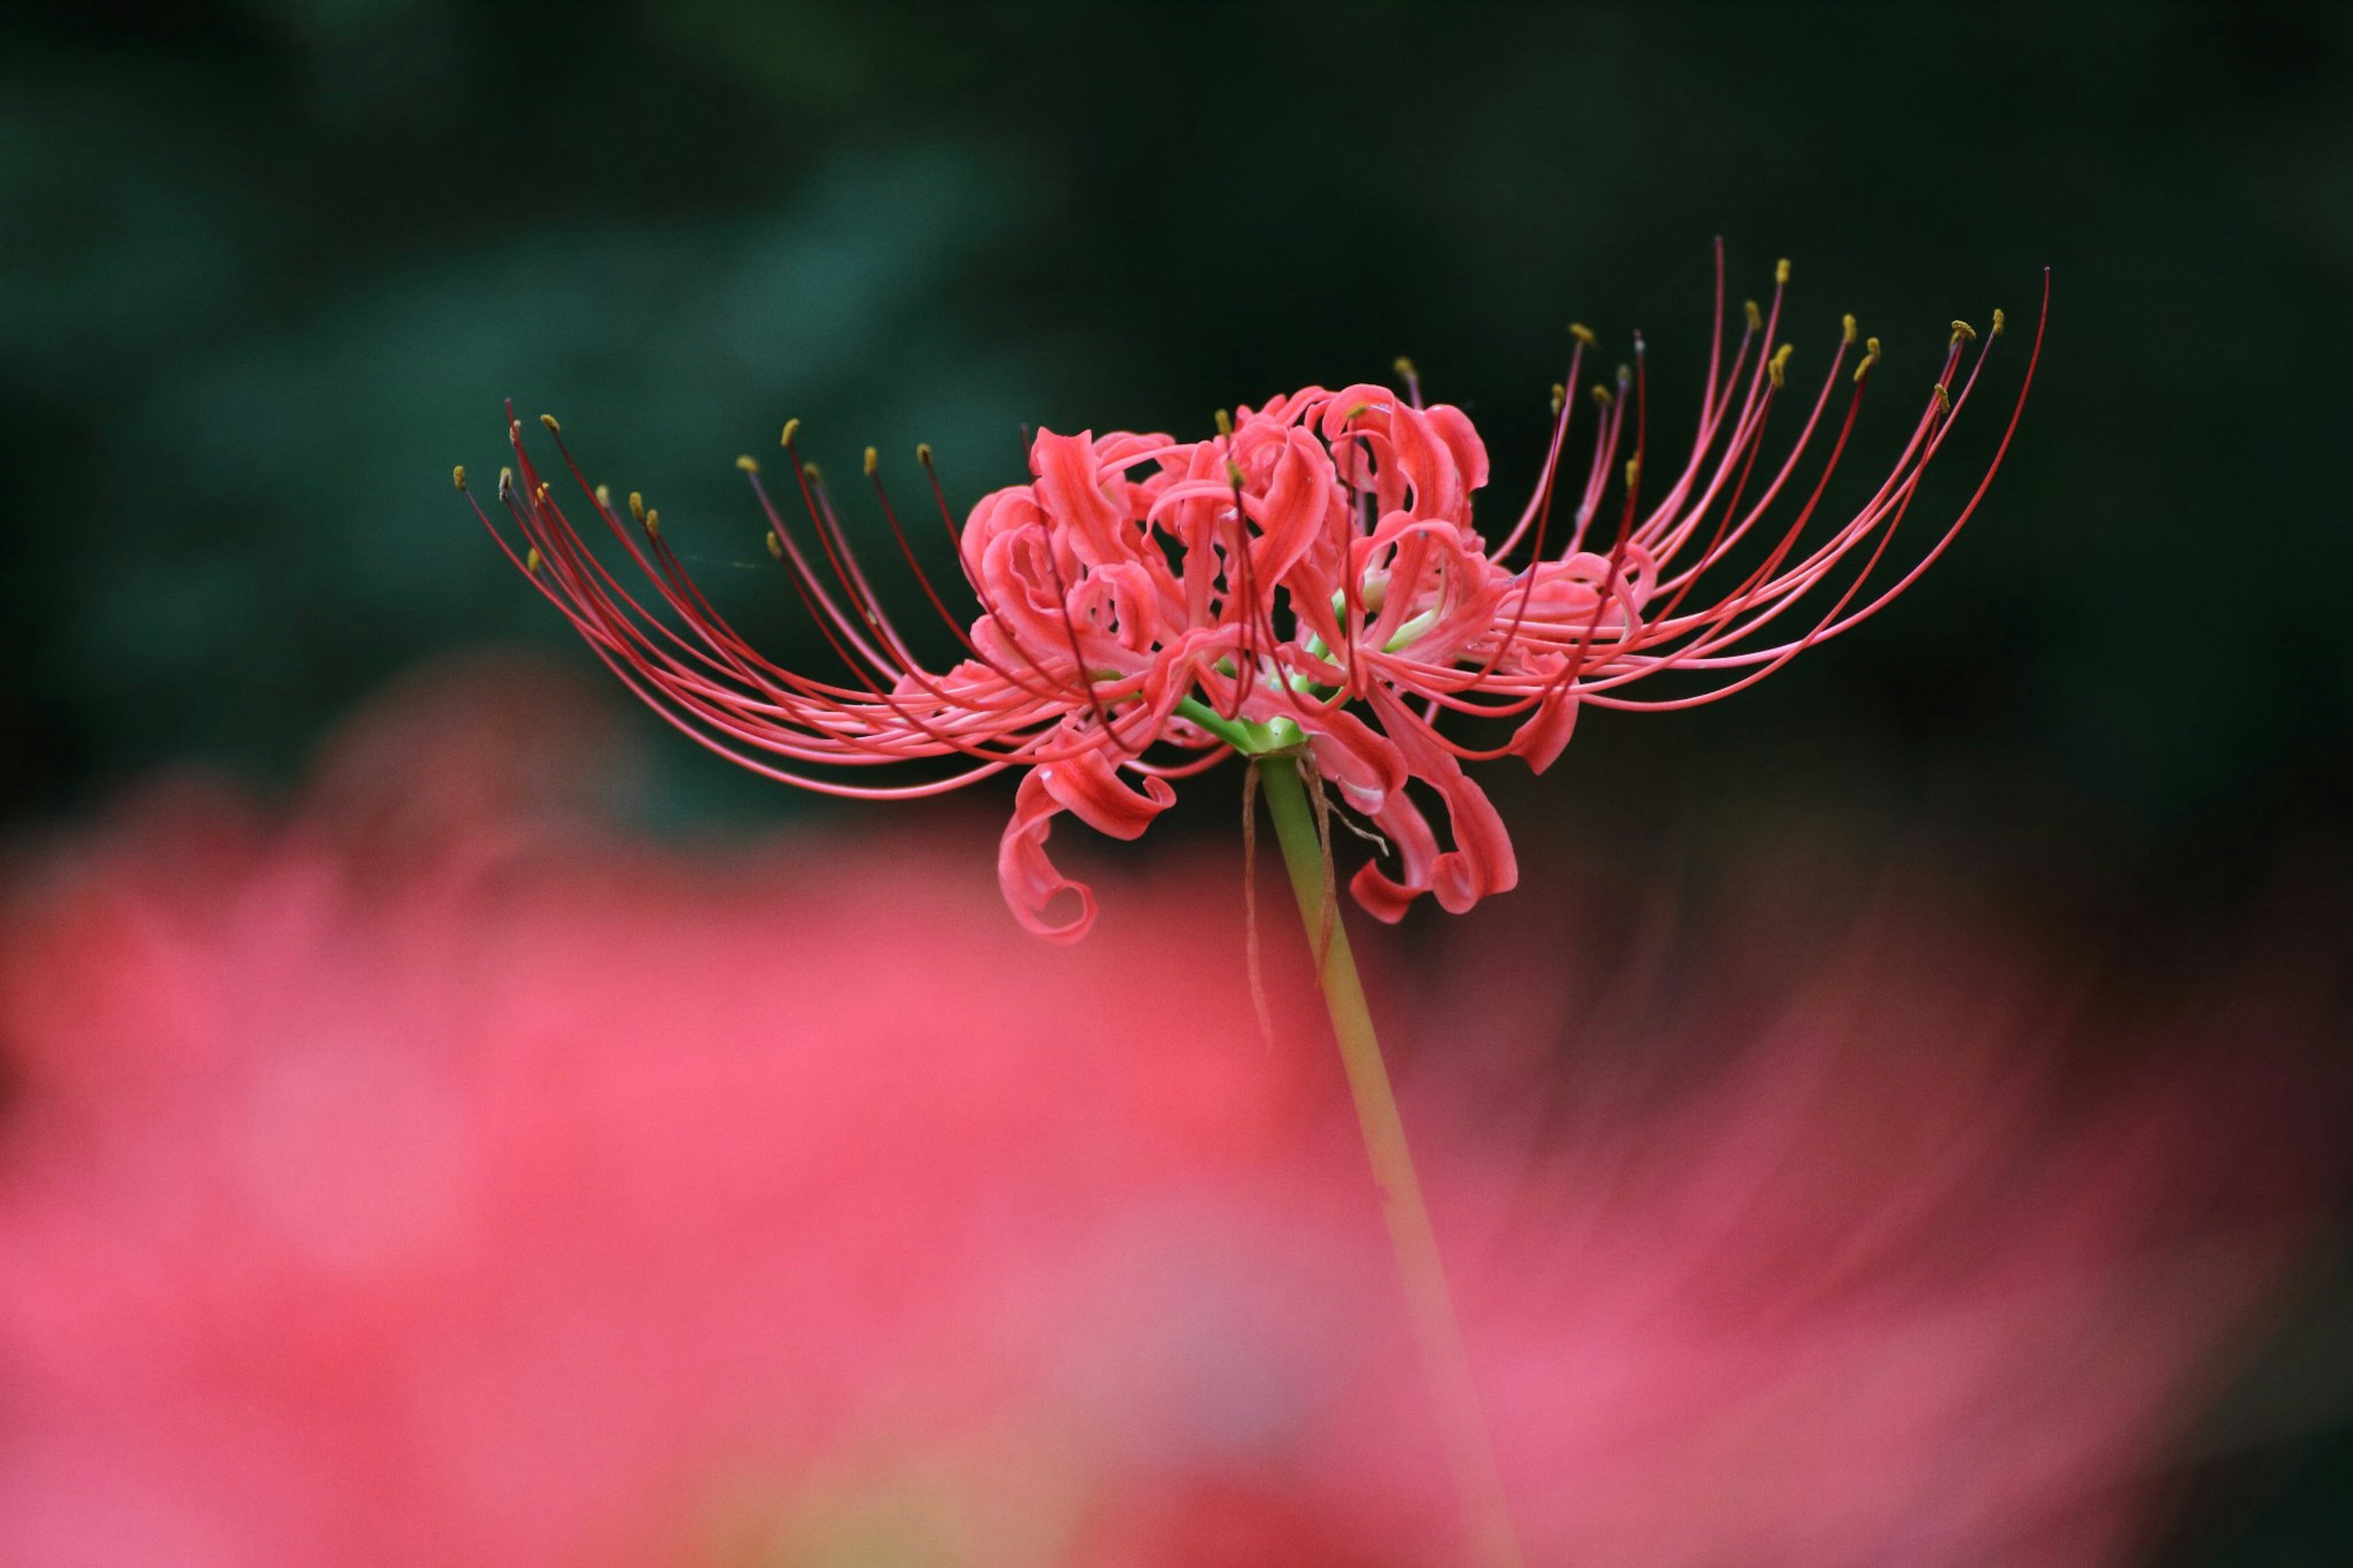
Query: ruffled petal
x=1300, y=498
x=1482, y=861
x=1088, y=787
x=1027, y=878
x=1013, y=510
x=1384, y=897
x=1545, y=735
x=1070, y=485
x=1365, y=763
x=1430, y=464
x=1453, y=427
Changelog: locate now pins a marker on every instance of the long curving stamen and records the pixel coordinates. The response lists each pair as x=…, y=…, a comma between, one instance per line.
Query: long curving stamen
x=593, y=600
x=1539, y=508
x=1904, y=487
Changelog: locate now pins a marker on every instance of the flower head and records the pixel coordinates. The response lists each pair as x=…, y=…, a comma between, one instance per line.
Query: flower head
x=1310, y=580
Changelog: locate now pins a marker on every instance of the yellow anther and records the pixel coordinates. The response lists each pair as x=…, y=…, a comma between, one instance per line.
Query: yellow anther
x=1559, y=396
x=791, y=428
x=1849, y=327
x=457, y=475
x=653, y=523
x=1781, y=271
x=552, y=427
x=540, y=494
x=1779, y=365
x=605, y=496
x=775, y=547
x=923, y=453
x=1963, y=331
x=637, y=506
x=506, y=483
x=1581, y=332
x=1944, y=399
x=745, y=462
x=1601, y=395
x=1869, y=358
x=1404, y=367
x=533, y=559
x=1755, y=316
x=810, y=472
x=1634, y=472
x=873, y=461
x=514, y=429
x=1999, y=322
x=1225, y=422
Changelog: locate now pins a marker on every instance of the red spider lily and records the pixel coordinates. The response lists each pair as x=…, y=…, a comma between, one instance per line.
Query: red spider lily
x=1308, y=581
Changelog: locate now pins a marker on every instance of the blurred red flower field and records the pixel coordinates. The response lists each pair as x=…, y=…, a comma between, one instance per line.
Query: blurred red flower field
x=428, y=1172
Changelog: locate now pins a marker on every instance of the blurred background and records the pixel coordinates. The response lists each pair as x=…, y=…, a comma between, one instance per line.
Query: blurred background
x=268, y=268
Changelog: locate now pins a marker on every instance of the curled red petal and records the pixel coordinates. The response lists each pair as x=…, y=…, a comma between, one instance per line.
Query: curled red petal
x=1386, y=898
x=1461, y=437
x=1029, y=878
x=1482, y=861
x=1070, y=484
x=1298, y=502
x=1545, y=734
x=1426, y=450
x=1088, y=787
x=1365, y=763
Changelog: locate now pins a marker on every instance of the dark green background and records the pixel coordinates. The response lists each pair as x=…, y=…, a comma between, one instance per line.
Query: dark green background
x=266, y=269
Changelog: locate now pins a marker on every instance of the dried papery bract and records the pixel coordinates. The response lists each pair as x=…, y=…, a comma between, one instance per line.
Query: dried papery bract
x=1310, y=580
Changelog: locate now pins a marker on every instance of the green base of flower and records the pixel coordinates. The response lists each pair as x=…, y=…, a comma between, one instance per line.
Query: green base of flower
x=1277, y=737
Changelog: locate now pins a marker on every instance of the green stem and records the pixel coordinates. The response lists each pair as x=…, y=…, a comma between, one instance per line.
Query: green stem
x=1431, y=1304
x=1243, y=737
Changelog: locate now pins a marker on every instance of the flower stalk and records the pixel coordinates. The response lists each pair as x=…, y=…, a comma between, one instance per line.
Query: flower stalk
x=1438, y=1332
